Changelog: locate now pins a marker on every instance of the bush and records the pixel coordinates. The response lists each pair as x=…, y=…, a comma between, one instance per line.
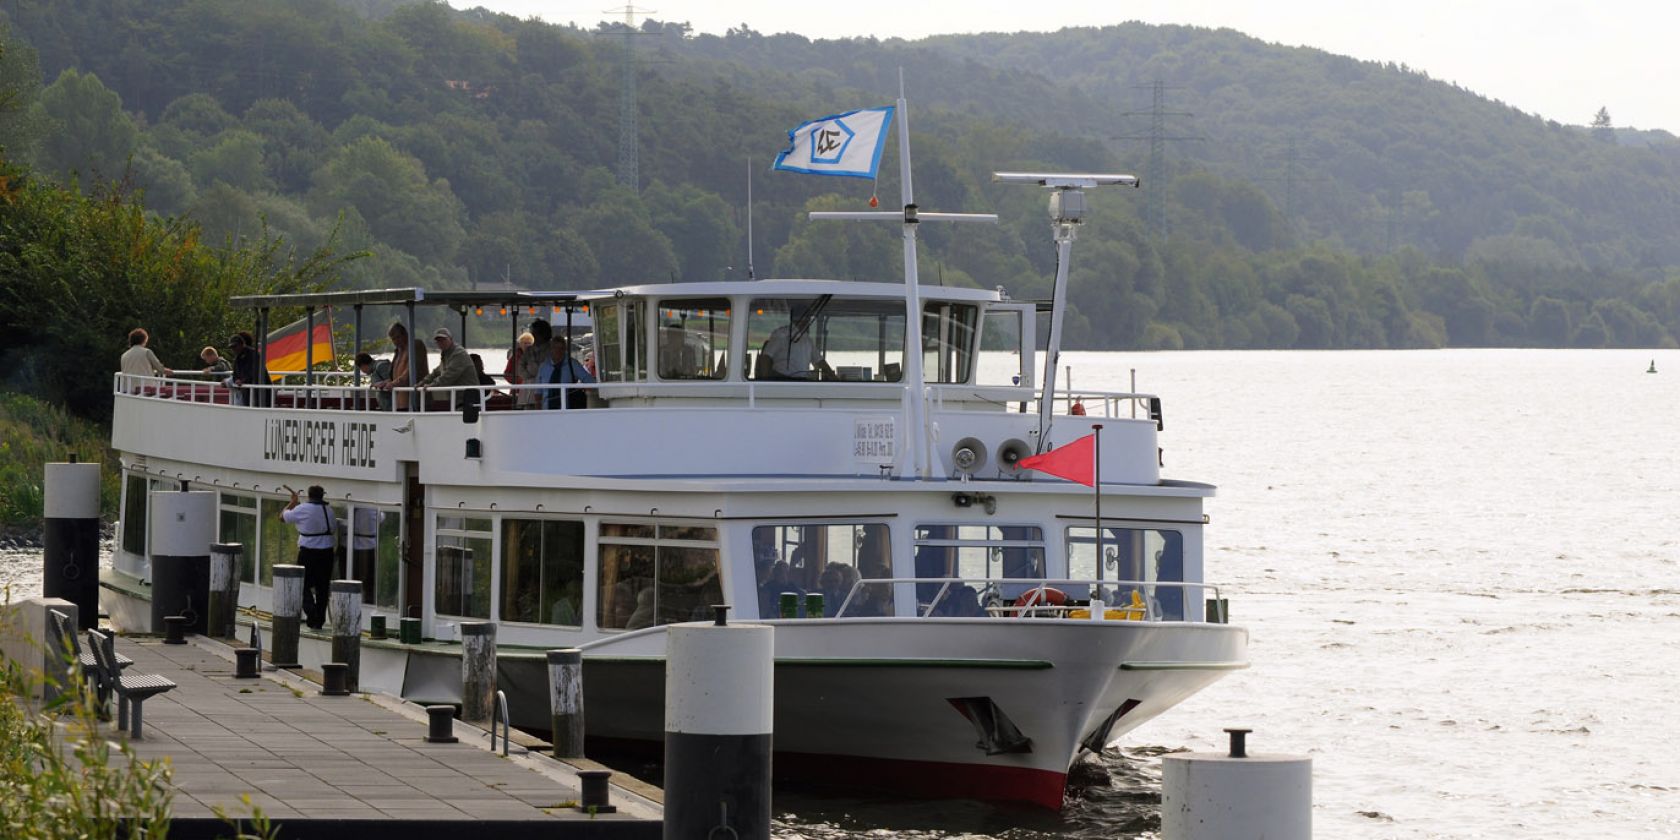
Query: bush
x=32, y=434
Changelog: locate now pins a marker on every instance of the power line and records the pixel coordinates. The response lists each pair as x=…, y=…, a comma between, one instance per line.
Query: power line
x=1155, y=171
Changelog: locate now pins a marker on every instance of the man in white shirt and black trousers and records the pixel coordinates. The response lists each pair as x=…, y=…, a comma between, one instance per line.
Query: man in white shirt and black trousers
x=315, y=526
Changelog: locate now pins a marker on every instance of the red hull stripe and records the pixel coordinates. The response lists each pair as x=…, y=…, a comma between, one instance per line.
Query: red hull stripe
x=928, y=779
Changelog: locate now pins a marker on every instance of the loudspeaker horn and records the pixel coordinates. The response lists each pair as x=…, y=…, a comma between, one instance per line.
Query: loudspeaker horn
x=968, y=456
x=1010, y=453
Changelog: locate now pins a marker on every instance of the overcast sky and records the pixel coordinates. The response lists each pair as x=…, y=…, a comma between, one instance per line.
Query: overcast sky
x=1559, y=59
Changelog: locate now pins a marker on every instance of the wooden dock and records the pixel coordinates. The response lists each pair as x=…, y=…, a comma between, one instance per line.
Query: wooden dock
x=354, y=767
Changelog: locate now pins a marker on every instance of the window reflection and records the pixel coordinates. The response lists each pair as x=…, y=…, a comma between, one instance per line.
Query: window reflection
x=827, y=559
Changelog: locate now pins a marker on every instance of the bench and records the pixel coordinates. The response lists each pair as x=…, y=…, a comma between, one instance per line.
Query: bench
x=67, y=641
x=130, y=688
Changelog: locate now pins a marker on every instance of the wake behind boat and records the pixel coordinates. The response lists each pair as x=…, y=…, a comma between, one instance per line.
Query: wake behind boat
x=947, y=622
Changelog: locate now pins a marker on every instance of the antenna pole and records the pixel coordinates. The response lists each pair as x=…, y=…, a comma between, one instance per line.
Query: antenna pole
x=916, y=436
x=749, y=221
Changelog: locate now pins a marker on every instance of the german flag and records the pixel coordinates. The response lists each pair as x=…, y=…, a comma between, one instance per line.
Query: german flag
x=289, y=346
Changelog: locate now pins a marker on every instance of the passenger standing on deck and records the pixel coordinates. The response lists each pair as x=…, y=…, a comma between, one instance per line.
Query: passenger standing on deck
x=245, y=370
x=213, y=361
x=408, y=366
x=455, y=370
x=139, y=360
x=561, y=369
x=315, y=527
x=378, y=372
x=529, y=363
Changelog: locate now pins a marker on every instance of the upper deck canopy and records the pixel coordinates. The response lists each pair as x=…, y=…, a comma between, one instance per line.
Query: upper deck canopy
x=495, y=297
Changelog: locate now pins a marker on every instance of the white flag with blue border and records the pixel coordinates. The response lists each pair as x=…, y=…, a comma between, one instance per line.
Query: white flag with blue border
x=846, y=144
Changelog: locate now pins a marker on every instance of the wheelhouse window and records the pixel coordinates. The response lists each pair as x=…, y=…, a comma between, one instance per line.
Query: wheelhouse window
x=618, y=331
x=693, y=339
x=823, y=558
x=948, y=341
x=824, y=338
x=542, y=571
x=237, y=523
x=1001, y=359
x=463, y=566
x=656, y=573
x=971, y=554
x=1135, y=555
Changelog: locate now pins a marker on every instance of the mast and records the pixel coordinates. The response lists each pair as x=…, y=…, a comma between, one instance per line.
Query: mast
x=749, y=222
x=1067, y=213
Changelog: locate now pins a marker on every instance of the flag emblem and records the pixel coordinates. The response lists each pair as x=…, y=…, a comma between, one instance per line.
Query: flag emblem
x=847, y=145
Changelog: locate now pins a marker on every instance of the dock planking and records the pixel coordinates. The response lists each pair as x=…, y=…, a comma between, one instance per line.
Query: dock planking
x=352, y=767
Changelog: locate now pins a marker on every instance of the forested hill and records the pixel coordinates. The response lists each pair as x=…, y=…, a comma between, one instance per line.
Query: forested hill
x=1328, y=203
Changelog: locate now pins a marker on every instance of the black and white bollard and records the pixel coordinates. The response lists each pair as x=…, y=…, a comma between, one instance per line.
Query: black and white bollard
x=71, y=531
x=344, y=603
x=719, y=699
x=565, y=701
x=1225, y=796
x=183, y=524
x=224, y=588
x=478, y=670
x=288, y=614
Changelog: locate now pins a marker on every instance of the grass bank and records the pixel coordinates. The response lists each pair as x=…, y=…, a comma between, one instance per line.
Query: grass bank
x=32, y=434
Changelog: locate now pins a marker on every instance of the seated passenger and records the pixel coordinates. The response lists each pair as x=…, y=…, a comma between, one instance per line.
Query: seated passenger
x=792, y=356
x=677, y=359
x=770, y=592
x=643, y=615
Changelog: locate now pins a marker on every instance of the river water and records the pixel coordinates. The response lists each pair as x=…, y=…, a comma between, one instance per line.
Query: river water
x=1460, y=571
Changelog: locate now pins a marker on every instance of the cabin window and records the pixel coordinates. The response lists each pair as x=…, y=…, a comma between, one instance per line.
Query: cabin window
x=277, y=541
x=823, y=558
x=823, y=338
x=618, y=330
x=238, y=524
x=372, y=536
x=134, y=515
x=464, y=559
x=542, y=571
x=972, y=554
x=1001, y=359
x=1137, y=555
x=656, y=574
x=948, y=341
x=694, y=339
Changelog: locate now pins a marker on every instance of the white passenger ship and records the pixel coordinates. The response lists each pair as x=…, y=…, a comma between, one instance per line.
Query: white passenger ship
x=956, y=652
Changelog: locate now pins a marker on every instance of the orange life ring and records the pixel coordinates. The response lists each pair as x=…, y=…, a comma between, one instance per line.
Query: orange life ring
x=1041, y=596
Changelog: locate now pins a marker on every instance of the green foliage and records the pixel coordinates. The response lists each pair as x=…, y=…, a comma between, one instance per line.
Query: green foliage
x=1334, y=203
x=33, y=434
x=61, y=778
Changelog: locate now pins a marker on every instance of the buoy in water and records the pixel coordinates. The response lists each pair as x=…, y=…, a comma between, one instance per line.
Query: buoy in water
x=1653, y=367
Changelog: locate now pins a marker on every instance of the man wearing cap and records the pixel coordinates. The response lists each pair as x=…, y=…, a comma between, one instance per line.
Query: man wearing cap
x=455, y=370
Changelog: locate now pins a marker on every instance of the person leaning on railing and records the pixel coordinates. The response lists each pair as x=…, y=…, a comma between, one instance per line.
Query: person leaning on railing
x=138, y=359
x=378, y=372
x=455, y=370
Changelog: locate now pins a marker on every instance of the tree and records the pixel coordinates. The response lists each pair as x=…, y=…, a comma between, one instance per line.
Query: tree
x=388, y=189
x=92, y=136
x=1602, y=128
x=23, y=122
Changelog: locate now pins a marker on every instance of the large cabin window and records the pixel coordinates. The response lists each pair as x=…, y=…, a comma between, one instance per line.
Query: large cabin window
x=278, y=540
x=618, y=331
x=825, y=338
x=464, y=559
x=948, y=341
x=372, y=536
x=656, y=574
x=1138, y=555
x=826, y=559
x=693, y=339
x=542, y=571
x=134, y=515
x=971, y=554
x=237, y=523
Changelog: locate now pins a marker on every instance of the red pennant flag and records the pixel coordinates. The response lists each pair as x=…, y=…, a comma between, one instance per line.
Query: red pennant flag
x=1075, y=462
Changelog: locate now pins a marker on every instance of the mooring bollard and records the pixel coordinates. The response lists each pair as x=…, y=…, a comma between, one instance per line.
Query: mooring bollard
x=440, y=725
x=1215, y=796
x=224, y=588
x=408, y=630
x=70, y=504
x=183, y=524
x=719, y=702
x=478, y=670
x=174, y=630
x=344, y=601
x=333, y=679
x=376, y=627
x=288, y=614
x=565, y=701
x=595, y=793
x=249, y=663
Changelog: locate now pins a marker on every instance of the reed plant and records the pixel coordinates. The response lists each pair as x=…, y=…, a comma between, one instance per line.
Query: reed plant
x=34, y=433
